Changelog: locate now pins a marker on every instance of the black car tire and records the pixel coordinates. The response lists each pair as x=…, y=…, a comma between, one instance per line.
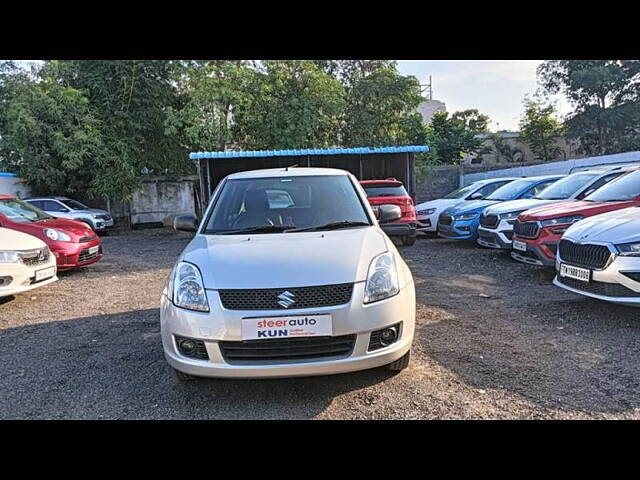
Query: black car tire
x=401, y=363
x=184, y=377
x=408, y=240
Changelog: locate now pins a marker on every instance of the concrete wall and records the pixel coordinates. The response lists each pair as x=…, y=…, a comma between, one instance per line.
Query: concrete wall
x=12, y=185
x=162, y=198
x=563, y=167
x=439, y=182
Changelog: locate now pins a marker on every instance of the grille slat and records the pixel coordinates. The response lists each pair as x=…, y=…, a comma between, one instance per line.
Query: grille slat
x=615, y=290
x=489, y=221
x=85, y=256
x=289, y=349
x=445, y=219
x=584, y=255
x=305, y=297
x=526, y=229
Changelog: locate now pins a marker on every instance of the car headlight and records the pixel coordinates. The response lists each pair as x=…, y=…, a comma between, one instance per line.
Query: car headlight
x=9, y=257
x=57, y=235
x=382, y=279
x=188, y=288
x=509, y=215
x=561, y=220
x=629, y=249
x=465, y=216
x=428, y=211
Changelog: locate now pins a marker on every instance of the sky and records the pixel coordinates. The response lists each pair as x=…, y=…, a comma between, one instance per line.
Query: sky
x=494, y=87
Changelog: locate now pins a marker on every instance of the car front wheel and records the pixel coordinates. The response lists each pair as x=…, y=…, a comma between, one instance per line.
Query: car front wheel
x=184, y=377
x=401, y=363
x=408, y=240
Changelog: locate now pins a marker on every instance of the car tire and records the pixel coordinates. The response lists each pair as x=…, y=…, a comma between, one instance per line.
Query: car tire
x=408, y=240
x=401, y=363
x=184, y=377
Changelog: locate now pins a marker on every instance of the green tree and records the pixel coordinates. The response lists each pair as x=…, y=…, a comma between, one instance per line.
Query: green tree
x=451, y=138
x=349, y=72
x=49, y=135
x=606, y=97
x=382, y=110
x=289, y=104
x=540, y=129
x=473, y=120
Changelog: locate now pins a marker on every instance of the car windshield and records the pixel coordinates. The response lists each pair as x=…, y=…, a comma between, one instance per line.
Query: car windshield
x=73, y=205
x=299, y=202
x=385, y=191
x=566, y=187
x=510, y=190
x=621, y=189
x=21, y=212
x=463, y=192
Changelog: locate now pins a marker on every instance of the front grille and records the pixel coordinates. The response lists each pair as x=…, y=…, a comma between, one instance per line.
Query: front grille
x=489, y=221
x=304, y=297
x=287, y=349
x=85, y=256
x=87, y=239
x=35, y=257
x=445, y=220
x=584, y=255
x=508, y=234
x=599, y=288
x=526, y=229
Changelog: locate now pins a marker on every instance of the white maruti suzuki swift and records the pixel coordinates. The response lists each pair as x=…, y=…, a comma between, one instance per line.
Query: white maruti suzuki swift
x=288, y=274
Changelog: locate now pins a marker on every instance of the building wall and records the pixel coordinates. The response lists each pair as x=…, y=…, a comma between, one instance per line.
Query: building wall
x=429, y=107
x=11, y=185
x=162, y=198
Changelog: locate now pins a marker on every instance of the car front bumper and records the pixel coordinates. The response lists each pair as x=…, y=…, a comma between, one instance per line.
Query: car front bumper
x=23, y=277
x=499, y=237
x=608, y=284
x=459, y=230
x=428, y=223
x=541, y=251
x=71, y=255
x=353, y=318
x=399, y=229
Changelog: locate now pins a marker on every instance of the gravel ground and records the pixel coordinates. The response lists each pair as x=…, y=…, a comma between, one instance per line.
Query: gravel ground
x=494, y=340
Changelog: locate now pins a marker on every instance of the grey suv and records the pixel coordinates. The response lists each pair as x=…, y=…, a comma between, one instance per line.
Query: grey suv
x=63, y=207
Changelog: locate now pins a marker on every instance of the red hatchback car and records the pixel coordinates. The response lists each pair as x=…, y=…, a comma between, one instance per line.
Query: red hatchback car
x=537, y=232
x=392, y=192
x=73, y=243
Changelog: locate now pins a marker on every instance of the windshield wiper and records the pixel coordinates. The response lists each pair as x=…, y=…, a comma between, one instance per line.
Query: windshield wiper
x=331, y=226
x=255, y=229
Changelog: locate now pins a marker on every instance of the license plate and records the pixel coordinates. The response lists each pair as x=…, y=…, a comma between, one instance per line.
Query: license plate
x=286, y=327
x=45, y=273
x=576, y=273
x=93, y=250
x=519, y=246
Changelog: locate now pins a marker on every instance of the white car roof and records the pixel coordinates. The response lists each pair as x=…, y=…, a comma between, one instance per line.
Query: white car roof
x=289, y=171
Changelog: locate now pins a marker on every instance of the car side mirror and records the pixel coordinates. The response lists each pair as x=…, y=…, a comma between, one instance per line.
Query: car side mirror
x=389, y=213
x=476, y=196
x=185, y=223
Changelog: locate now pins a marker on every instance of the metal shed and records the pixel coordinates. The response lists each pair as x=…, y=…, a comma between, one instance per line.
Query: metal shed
x=366, y=163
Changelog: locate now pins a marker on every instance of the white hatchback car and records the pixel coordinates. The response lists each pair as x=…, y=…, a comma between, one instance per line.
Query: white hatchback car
x=599, y=257
x=25, y=263
x=300, y=288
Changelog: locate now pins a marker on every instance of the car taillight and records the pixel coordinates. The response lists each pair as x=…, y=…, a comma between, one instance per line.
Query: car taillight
x=409, y=202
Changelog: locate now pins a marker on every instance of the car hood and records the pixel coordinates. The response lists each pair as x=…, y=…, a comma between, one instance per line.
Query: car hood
x=518, y=205
x=14, y=240
x=73, y=228
x=566, y=209
x=620, y=226
x=439, y=204
x=470, y=206
x=284, y=260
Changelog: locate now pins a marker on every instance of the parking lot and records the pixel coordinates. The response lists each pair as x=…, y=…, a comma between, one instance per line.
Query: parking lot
x=494, y=339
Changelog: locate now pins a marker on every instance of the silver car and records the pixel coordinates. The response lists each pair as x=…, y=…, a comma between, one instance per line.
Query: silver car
x=63, y=207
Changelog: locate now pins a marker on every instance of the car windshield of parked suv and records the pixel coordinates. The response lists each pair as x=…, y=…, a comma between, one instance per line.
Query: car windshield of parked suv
x=21, y=212
x=73, y=205
x=565, y=187
x=508, y=191
x=462, y=192
x=303, y=203
x=621, y=189
x=385, y=190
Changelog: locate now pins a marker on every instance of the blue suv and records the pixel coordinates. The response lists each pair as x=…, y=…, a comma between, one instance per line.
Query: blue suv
x=460, y=222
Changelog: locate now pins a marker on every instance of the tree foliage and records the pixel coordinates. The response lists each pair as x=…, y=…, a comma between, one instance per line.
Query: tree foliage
x=450, y=138
x=606, y=98
x=540, y=129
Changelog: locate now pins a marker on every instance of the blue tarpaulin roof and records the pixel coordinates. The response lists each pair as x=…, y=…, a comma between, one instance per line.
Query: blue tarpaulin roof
x=7, y=174
x=310, y=151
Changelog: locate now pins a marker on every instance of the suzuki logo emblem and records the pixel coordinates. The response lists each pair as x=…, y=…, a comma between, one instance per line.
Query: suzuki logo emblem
x=286, y=299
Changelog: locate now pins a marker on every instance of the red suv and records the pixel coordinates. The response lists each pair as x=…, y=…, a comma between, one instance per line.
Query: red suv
x=392, y=192
x=73, y=243
x=537, y=232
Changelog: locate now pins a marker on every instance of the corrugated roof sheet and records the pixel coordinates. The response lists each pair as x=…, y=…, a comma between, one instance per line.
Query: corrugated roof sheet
x=310, y=151
x=7, y=174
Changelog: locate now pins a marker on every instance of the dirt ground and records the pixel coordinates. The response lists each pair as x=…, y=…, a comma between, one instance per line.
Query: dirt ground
x=494, y=340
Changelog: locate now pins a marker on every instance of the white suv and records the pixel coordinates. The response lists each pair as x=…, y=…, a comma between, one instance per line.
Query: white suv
x=273, y=289
x=599, y=257
x=25, y=263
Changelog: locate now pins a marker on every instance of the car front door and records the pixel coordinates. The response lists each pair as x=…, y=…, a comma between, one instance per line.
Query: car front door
x=56, y=209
